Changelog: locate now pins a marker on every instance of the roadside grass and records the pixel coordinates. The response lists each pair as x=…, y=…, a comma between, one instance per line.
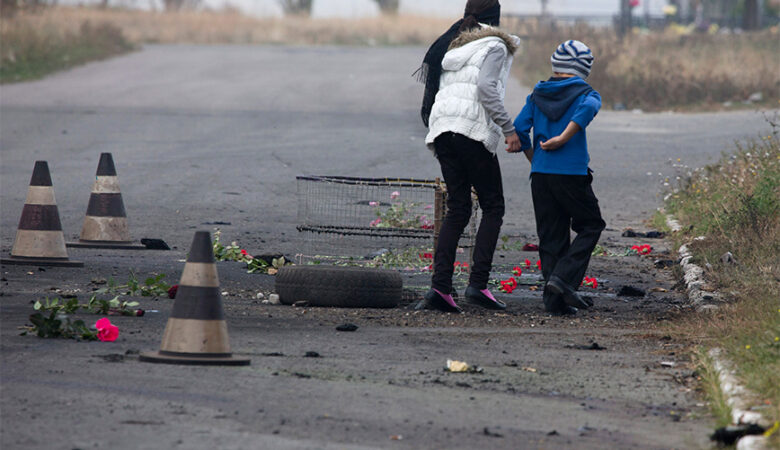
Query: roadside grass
x=735, y=205
x=710, y=385
x=664, y=70
x=34, y=48
x=231, y=27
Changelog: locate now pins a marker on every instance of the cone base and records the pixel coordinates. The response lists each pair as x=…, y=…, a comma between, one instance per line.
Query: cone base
x=156, y=357
x=105, y=245
x=51, y=262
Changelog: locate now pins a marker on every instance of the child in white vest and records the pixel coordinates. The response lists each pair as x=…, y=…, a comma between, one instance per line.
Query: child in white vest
x=465, y=72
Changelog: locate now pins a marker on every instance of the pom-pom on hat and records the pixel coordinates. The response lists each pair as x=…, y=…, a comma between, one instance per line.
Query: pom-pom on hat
x=572, y=57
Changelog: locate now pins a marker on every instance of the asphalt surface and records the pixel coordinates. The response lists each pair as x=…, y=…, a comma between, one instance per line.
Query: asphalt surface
x=213, y=133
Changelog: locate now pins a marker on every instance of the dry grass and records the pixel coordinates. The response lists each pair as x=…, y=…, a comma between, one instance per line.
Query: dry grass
x=736, y=205
x=34, y=48
x=233, y=28
x=665, y=70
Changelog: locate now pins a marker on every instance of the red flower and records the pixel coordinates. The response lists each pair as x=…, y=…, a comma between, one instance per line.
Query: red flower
x=172, y=291
x=243, y=252
x=642, y=249
x=517, y=271
x=591, y=282
x=539, y=264
x=530, y=248
x=527, y=263
x=427, y=226
x=426, y=255
x=106, y=331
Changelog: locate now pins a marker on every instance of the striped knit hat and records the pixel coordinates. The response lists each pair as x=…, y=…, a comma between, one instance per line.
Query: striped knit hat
x=572, y=57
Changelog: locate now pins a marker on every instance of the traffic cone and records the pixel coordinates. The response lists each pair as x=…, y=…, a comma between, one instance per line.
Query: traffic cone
x=105, y=225
x=39, y=238
x=196, y=332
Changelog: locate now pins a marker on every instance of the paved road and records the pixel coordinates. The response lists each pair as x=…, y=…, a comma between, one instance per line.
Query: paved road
x=219, y=134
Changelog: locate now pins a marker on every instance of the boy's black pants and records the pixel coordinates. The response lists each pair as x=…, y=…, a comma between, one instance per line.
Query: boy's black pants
x=562, y=202
x=466, y=163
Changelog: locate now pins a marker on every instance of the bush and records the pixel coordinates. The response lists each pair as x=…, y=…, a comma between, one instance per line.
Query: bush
x=31, y=52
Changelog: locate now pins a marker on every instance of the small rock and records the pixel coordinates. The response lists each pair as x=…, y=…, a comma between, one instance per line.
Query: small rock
x=728, y=258
x=273, y=299
x=301, y=304
x=637, y=111
x=311, y=355
x=347, y=327
x=756, y=97
x=259, y=295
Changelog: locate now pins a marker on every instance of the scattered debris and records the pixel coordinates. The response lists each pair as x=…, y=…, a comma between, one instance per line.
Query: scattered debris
x=273, y=299
x=553, y=433
x=301, y=375
x=216, y=222
x=111, y=357
x=311, y=354
x=730, y=434
x=462, y=367
x=396, y=437
x=377, y=253
x=659, y=289
x=529, y=369
x=347, y=327
x=593, y=346
x=154, y=244
x=274, y=354
x=300, y=304
x=487, y=432
x=650, y=234
x=663, y=263
x=631, y=291
x=668, y=364
x=259, y=295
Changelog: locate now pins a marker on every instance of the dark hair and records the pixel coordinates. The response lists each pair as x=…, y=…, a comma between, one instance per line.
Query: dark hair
x=473, y=9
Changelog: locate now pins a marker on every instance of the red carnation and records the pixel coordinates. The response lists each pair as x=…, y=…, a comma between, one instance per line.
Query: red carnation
x=172, y=291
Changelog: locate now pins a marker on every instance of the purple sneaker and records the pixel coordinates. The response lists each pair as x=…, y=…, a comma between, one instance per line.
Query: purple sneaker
x=483, y=298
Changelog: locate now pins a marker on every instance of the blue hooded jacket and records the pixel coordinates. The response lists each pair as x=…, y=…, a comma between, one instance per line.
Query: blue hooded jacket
x=548, y=110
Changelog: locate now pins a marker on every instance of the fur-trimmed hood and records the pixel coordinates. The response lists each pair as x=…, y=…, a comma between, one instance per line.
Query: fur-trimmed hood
x=486, y=31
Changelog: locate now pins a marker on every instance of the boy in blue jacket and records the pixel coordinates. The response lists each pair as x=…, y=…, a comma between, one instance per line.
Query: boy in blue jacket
x=559, y=110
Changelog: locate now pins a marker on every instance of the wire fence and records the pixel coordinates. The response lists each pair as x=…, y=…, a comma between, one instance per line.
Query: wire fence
x=355, y=218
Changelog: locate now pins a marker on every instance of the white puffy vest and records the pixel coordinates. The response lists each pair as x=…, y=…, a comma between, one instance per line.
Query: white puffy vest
x=457, y=108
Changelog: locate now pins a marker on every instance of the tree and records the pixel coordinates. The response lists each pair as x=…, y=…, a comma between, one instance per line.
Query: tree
x=296, y=7
x=750, y=17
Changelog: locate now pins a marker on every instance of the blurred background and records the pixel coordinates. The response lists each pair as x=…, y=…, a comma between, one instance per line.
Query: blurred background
x=650, y=54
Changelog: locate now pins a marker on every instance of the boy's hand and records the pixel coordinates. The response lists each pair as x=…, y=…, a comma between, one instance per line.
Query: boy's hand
x=557, y=142
x=553, y=143
x=513, y=143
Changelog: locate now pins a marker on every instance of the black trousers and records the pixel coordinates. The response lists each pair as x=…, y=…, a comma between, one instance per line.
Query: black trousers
x=562, y=202
x=466, y=163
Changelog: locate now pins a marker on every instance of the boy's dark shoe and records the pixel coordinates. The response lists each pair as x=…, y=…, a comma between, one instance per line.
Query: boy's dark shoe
x=554, y=304
x=483, y=298
x=434, y=300
x=570, y=296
